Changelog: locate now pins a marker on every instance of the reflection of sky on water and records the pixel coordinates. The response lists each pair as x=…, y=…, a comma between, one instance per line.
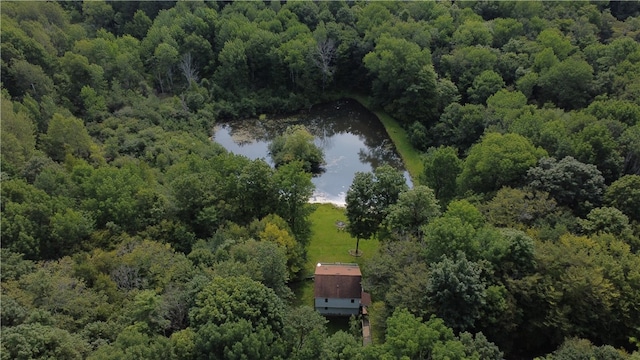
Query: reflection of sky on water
x=352, y=140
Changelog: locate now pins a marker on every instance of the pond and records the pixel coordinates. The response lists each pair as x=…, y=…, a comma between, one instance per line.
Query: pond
x=351, y=138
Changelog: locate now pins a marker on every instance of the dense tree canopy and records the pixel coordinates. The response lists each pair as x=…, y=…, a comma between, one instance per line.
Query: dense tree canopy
x=128, y=233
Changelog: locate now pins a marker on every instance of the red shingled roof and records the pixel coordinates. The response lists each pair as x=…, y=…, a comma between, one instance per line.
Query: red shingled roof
x=341, y=281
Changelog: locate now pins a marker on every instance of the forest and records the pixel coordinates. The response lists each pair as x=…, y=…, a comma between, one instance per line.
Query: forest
x=126, y=233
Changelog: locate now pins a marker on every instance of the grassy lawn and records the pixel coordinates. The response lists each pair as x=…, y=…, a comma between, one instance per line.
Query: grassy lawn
x=410, y=156
x=328, y=244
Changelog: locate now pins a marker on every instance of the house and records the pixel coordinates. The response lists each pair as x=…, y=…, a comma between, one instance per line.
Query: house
x=338, y=289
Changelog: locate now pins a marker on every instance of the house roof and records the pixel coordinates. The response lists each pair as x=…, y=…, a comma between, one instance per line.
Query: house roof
x=341, y=281
x=338, y=269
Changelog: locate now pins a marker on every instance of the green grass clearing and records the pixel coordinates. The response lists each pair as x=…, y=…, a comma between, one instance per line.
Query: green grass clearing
x=328, y=244
x=410, y=156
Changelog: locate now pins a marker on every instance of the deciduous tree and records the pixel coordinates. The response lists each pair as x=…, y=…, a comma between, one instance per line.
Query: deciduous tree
x=441, y=168
x=572, y=183
x=297, y=144
x=498, y=160
x=368, y=200
x=414, y=209
x=624, y=194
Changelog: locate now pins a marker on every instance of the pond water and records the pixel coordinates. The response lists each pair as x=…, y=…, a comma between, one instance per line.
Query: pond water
x=351, y=138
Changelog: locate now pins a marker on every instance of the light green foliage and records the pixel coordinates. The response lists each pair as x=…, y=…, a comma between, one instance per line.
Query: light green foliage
x=70, y=302
x=70, y=229
x=148, y=265
x=165, y=57
x=472, y=32
x=360, y=207
x=609, y=220
x=485, y=85
x=296, y=144
x=123, y=196
x=107, y=109
x=584, y=277
x=456, y=231
x=139, y=25
x=504, y=29
x=182, y=344
x=294, y=190
x=496, y=161
x=67, y=135
x=403, y=75
x=554, y=39
x=236, y=340
x=285, y=241
x=478, y=347
x=18, y=137
x=341, y=345
x=622, y=110
x=132, y=343
x=148, y=312
x=408, y=289
x=94, y=105
x=232, y=299
x=13, y=265
x=385, y=270
x=35, y=341
x=369, y=198
x=441, y=168
x=414, y=209
x=77, y=72
x=267, y=262
x=504, y=107
x=409, y=337
x=517, y=256
x=518, y=208
x=25, y=216
x=573, y=348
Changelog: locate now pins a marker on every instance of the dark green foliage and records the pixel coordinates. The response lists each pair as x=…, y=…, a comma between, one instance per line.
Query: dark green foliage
x=456, y=292
x=459, y=126
x=624, y=194
x=109, y=178
x=573, y=184
x=404, y=79
x=306, y=332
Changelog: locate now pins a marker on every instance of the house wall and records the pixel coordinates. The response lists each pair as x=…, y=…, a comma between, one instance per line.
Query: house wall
x=335, y=306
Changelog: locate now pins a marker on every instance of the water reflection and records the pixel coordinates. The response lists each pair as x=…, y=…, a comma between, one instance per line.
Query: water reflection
x=352, y=139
